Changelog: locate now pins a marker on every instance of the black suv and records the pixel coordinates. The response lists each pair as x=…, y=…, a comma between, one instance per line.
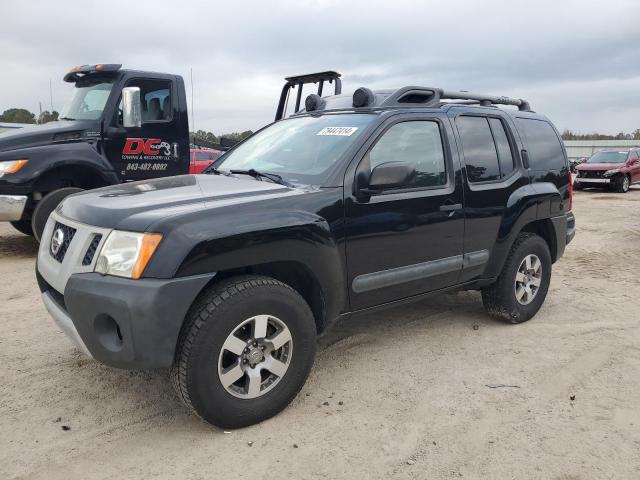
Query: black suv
x=349, y=205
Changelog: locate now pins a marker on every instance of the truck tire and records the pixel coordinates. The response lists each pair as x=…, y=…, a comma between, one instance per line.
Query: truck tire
x=245, y=351
x=522, y=286
x=23, y=226
x=47, y=205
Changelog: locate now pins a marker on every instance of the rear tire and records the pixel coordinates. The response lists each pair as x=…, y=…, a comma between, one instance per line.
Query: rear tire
x=219, y=339
x=47, y=205
x=518, y=279
x=23, y=226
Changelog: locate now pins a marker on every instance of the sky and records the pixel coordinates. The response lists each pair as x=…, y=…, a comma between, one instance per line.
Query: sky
x=578, y=62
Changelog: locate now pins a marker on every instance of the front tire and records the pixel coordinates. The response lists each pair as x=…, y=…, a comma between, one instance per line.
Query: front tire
x=245, y=351
x=522, y=286
x=23, y=226
x=623, y=185
x=47, y=205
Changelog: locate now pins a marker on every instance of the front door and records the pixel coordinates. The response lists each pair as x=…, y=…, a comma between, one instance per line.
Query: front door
x=406, y=240
x=157, y=148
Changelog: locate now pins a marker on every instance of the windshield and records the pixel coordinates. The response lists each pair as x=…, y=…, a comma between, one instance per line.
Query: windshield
x=301, y=150
x=609, y=157
x=87, y=100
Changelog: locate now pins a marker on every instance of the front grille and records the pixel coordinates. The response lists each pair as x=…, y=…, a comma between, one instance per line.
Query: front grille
x=91, y=251
x=590, y=174
x=67, y=236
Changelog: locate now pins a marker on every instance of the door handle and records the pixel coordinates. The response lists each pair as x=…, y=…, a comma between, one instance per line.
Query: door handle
x=525, y=158
x=450, y=207
x=175, y=151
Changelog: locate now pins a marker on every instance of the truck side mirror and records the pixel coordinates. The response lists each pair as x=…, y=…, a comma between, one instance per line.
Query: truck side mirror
x=131, y=108
x=390, y=175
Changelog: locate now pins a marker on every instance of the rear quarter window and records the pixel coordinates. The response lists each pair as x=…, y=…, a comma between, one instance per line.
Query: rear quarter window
x=544, y=147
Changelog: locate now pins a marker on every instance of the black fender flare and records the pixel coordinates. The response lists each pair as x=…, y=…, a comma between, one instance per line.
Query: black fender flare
x=526, y=204
x=255, y=239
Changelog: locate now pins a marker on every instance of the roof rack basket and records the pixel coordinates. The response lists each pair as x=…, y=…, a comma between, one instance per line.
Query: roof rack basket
x=429, y=96
x=301, y=80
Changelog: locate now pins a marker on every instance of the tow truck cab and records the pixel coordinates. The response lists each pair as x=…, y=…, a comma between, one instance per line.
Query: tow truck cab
x=117, y=126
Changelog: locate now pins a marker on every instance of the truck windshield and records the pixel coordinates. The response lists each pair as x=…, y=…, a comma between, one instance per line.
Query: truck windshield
x=301, y=150
x=87, y=100
x=609, y=157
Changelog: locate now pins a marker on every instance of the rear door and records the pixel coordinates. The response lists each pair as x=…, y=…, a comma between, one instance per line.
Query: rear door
x=408, y=240
x=157, y=148
x=493, y=172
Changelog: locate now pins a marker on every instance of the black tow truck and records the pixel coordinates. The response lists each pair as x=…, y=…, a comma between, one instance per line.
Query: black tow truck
x=352, y=204
x=118, y=126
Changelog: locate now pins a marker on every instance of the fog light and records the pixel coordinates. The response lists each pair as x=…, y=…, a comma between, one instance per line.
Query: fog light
x=108, y=333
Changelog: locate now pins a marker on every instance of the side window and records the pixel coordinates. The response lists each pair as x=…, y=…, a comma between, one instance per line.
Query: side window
x=543, y=145
x=505, y=154
x=155, y=98
x=417, y=143
x=480, y=153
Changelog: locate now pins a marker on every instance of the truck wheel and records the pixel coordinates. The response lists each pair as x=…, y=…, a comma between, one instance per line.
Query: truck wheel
x=47, y=205
x=245, y=351
x=522, y=286
x=623, y=184
x=23, y=226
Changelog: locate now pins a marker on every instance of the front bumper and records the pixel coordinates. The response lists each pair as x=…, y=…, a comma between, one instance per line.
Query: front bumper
x=593, y=181
x=12, y=207
x=121, y=322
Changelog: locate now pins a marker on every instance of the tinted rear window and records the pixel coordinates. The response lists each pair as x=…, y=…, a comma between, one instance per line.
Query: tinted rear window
x=543, y=145
x=480, y=153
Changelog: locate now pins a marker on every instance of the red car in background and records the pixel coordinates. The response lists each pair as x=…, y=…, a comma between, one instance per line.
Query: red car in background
x=201, y=158
x=614, y=169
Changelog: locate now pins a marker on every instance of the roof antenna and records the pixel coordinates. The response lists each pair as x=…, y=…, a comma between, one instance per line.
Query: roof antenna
x=193, y=113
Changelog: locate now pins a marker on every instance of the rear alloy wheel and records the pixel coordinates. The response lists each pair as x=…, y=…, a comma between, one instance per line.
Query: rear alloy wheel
x=522, y=286
x=528, y=279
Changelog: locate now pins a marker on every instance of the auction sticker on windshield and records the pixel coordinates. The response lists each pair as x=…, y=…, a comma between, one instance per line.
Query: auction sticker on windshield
x=338, y=131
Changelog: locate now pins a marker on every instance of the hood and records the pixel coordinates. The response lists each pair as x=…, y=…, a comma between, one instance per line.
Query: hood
x=134, y=206
x=590, y=167
x=36, y=135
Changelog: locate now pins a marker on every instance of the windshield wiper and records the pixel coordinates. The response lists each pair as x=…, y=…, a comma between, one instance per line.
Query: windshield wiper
x=215, y=171
x=257, y=175
x=66, y=118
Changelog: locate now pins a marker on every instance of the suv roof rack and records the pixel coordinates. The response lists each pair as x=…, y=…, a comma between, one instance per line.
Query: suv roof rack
x=301, y=80
x=429, y=96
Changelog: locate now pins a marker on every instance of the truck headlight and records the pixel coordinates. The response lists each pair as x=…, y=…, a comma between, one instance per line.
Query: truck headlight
x=11, y=166
x=608, y=173
x=126, y=254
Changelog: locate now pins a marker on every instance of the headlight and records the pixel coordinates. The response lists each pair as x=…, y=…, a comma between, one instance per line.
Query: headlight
x=12, y=166
x=126, y=254
x=608, y=173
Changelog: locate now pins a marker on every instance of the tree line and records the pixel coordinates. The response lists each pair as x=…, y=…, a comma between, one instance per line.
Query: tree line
x=570, y=135
x=21, y=115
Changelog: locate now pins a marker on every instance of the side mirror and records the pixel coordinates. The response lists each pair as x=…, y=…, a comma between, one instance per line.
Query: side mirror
x=131, y=108
x=389, y=175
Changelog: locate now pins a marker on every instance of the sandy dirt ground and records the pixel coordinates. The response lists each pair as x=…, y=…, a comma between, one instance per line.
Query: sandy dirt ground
x=400, y=394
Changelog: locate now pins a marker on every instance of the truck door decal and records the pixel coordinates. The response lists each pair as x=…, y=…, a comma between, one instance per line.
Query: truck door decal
x=146, y=154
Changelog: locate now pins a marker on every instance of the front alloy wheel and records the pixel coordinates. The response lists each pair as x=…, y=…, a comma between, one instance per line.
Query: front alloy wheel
x=255, y=357
x=235, y=363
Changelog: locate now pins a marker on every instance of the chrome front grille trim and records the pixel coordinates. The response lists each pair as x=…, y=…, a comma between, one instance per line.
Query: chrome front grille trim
x=57, y=272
